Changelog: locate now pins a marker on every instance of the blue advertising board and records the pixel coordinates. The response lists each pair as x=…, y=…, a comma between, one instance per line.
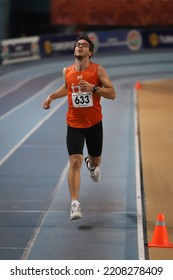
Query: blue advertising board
x=118, y=40
x=157, y=38
x=104, y=41
x=53, y=45
x=127, y=40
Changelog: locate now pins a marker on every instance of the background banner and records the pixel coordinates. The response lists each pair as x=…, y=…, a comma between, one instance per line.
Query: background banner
x=119, y=40
x=20, y=49
x=53, y=45
x=157, y=38
x=104, y=41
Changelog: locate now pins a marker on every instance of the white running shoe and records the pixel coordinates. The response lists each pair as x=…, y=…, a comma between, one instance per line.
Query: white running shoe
x=94, y=172
x=75, y=212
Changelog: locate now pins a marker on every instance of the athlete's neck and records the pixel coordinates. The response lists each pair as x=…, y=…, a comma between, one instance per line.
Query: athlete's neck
x=81, y=64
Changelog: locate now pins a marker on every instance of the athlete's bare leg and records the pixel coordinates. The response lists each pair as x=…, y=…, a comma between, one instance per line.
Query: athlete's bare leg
x=74, y=177
x=94, y=161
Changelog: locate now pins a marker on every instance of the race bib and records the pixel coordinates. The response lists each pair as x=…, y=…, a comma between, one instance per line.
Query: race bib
x=82, y=99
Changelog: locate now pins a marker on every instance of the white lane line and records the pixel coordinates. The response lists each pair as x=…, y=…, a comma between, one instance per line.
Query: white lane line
x=30, y=99
x=41, y=222
x=29, y=70
x=140, y=230
x=12, y=248
x=32, y=211
x=63, y=211
x=8, y=75
x=8, y=91
x=11, y=152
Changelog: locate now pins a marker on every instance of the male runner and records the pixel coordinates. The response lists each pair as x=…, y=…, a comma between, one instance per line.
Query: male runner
x=85, y=83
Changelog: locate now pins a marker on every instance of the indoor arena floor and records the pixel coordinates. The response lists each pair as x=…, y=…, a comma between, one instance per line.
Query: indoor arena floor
x=34, y=197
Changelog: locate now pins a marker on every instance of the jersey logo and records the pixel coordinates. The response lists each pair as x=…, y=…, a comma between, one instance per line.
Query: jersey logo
x=79, y=77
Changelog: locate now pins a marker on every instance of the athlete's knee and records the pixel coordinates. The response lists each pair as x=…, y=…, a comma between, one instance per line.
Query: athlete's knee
x=76, y=161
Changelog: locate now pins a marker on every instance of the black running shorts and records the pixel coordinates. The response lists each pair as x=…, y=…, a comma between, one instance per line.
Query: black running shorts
x=93, y=136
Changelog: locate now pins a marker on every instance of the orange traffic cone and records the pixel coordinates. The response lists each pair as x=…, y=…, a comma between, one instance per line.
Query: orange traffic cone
x=138, y=85
x=160, y=235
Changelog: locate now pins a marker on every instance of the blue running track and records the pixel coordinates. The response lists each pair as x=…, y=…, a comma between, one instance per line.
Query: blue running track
x=34, y=198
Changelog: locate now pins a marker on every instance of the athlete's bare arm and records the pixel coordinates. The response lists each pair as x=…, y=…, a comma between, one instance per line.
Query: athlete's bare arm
x=107, y=90
x=61, y=92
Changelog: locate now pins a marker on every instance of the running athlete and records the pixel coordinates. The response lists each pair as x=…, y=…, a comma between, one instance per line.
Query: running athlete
x=85, y=83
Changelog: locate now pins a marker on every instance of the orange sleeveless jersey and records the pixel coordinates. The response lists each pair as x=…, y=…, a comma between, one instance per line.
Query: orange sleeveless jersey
x=84, y=109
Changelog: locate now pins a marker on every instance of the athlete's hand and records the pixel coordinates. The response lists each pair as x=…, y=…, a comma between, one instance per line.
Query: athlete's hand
x=46, y=104
x=85, y=86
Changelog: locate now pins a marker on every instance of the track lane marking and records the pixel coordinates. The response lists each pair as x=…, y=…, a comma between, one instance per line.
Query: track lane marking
x=30, y=99
x=41, y=222
x=140, y=230
x=36, y=127
x=21, y=84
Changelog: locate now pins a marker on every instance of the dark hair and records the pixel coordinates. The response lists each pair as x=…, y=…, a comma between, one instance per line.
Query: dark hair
x=86, y=38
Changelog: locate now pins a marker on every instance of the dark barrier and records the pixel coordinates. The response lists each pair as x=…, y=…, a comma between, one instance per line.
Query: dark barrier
x=119, y=40
x=128, y=40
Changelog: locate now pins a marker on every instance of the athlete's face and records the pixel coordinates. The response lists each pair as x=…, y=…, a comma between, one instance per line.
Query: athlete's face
x=82, y=49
